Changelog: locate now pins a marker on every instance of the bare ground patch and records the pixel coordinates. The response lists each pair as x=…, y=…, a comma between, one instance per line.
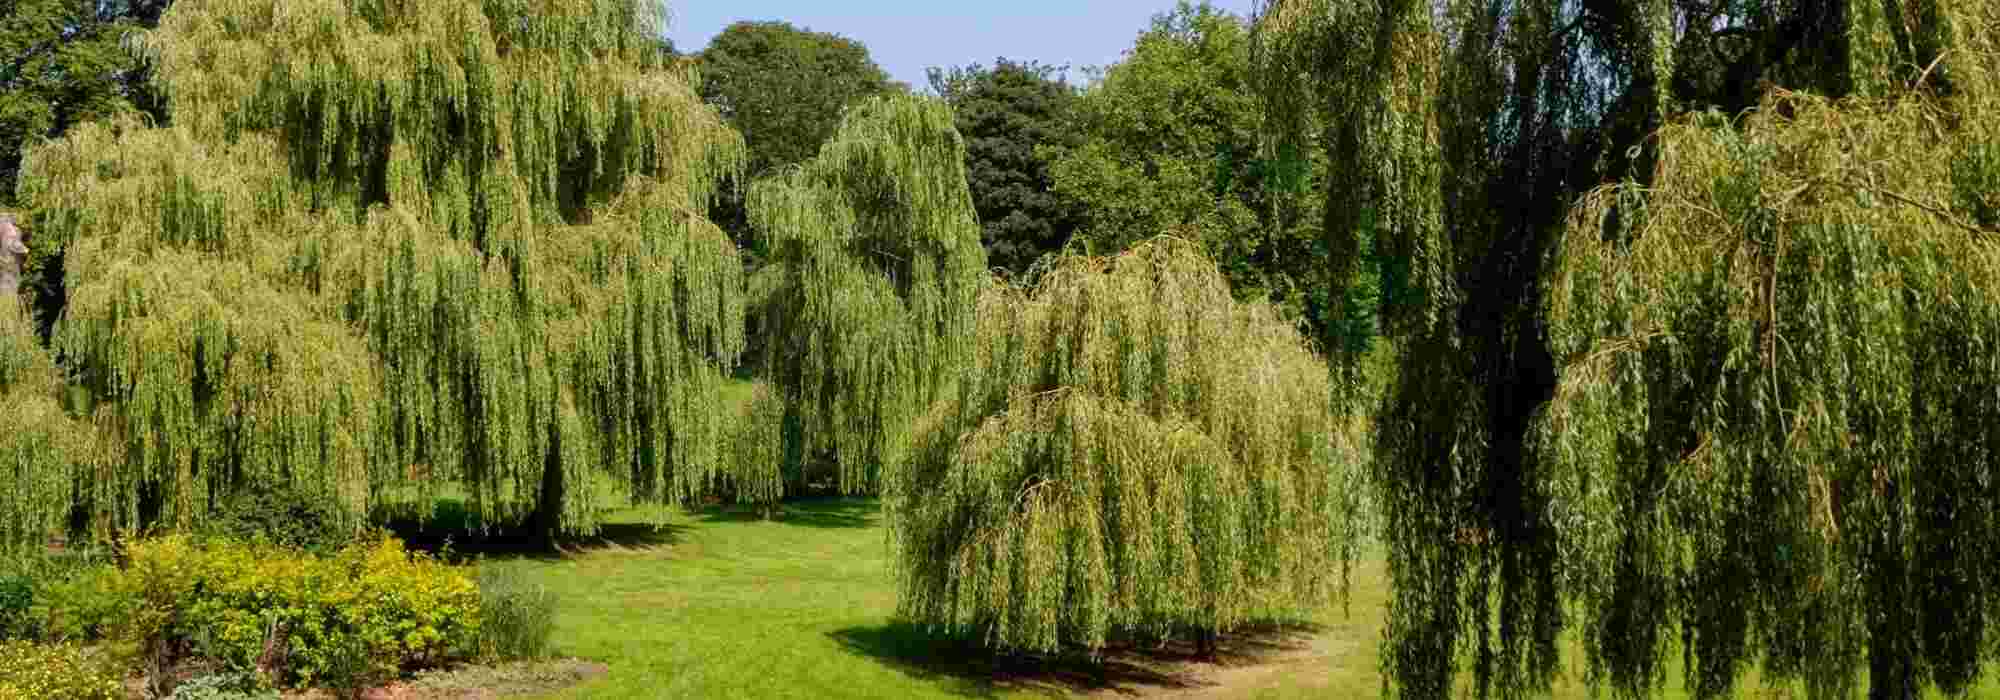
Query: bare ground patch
x=481, y=682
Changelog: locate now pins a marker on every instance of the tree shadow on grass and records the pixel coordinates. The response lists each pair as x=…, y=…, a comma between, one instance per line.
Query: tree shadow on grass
x=1129, y=669
x=456, y=534
x=827, y=513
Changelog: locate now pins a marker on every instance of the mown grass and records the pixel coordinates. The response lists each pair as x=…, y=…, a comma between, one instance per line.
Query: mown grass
x=723, y=604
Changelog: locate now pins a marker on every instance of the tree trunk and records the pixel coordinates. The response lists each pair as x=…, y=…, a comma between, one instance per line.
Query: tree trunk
x=548, y=512
x=13, y=257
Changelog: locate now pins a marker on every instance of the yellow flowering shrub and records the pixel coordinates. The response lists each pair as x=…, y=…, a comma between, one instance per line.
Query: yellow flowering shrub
x=35, y=672
x=366, y=612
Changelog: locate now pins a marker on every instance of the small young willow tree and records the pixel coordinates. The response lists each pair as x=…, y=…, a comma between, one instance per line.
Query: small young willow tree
x=1133, y=453
x=875, y=266
x=391, y=246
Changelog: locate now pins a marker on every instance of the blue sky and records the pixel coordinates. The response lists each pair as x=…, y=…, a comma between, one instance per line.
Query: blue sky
x=907, y=36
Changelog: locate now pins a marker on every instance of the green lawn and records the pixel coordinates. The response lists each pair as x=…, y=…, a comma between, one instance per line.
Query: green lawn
x=724, y=605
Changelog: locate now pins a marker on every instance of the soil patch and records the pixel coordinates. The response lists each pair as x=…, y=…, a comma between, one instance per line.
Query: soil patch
x=472, y=682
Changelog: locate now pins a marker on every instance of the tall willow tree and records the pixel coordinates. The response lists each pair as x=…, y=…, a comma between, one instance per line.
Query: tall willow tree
x=1741, y=405
x=1132, y=454
x=869, y=297
x=388, y=247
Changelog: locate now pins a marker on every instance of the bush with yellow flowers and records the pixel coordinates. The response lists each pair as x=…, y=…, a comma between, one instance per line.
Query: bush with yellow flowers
x=31, y=671
x=365, y=613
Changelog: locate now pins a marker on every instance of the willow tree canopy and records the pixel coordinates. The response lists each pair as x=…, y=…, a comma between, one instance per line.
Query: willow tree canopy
x=1740, y=406
x=1781, y=388
x=1132, y=453
x=868, y=302
x=387, y=247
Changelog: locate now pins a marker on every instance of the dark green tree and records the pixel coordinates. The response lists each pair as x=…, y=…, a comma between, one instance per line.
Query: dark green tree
x=1006, y=112
x=61, y=63
x=1698, y=363
x=1172, y=144
x=64, y=62
x=785, y=87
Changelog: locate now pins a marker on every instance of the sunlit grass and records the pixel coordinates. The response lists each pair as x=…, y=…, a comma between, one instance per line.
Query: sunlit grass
x=723, y=604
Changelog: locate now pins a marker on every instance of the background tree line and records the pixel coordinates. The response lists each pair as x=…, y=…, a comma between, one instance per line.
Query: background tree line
x=1168, y=140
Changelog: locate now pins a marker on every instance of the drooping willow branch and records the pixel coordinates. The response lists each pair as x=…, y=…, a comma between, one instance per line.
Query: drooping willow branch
x=388, y=248
x=1133, y=452
x=1658, y=405
x=868, y=302
x=1817, y=404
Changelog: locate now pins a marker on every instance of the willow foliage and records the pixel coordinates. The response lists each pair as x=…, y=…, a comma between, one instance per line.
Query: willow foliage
x=1133, y=452
x=391, y=246
x=40, y=446
x=875, y=265
x=1739, y=406
x=757, y=449
x=1779, y=389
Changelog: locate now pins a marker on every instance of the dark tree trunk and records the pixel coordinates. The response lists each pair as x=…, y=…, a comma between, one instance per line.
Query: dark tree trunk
x=548, y=511
x=13, y=256
x=1892, y=648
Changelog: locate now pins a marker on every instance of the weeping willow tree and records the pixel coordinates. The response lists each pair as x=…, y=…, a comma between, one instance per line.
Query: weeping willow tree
x=867, y=304
x=1781, y=387
x=1132, y=454
x=392, y=248
x=1739, y=407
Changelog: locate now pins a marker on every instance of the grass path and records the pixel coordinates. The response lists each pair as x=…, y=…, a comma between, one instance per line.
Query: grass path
x=725, y=605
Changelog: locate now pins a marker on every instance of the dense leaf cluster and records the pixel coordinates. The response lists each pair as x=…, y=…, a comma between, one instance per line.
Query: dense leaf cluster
x=1171, y=142
x=1014, y=117
x=785, y=87
x=62, y=63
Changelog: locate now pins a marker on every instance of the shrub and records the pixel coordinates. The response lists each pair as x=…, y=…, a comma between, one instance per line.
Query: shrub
x=283, y=516
x=515, y=617
x=34, y=672
x=365, y=613
x=27, y=580
x=17, y=595
x=82, y=607
x=224, y=686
